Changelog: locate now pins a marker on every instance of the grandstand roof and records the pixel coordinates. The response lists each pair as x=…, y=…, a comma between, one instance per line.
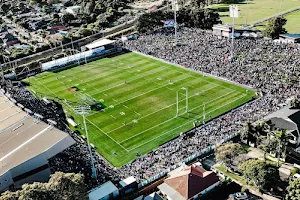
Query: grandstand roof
x=22, y=137
x=103, y=191
x=99, y=43
x=292, y=36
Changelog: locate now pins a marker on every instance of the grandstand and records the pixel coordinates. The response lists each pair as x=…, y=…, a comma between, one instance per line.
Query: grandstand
x=95, y=49
x=26, y=145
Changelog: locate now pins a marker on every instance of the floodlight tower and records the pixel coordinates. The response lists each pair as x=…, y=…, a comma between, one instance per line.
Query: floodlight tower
x=247, y=11
x=234, y=12
x=84, y=110
x=175, y=8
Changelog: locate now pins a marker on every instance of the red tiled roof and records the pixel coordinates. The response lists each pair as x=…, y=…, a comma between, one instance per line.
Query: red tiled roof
x=192, y=181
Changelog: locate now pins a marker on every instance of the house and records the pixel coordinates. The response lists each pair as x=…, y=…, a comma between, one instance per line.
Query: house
x=287, y=118
x=221, y=30
x=152, y=196
x=35, y=25
x=74, y=10
x=10, y=40
x=128, y=184
x=188, y=183
x=105, y=191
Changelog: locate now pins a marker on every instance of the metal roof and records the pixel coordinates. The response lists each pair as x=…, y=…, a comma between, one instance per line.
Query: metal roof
x=102, y=191
x=99, y=43
x=23, y=137
x=293, y=36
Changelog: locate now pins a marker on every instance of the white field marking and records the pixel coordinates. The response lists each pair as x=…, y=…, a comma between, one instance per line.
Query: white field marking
x=125, y=106
x=165, y=108
x=91, y=67
x=115, y=100
x=107, y=135
x=140, y=77
x=105, y=94
x=202, y=78
x=47, y=88
x=113, y=117
x=186, y=123
x=76, y=72
x=116, y=70
x=170, y=88
x=149, y=92
x=171, y=118
x=137, y=113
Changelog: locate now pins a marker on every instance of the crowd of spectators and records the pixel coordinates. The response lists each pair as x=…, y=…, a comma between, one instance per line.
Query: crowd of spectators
x=259, y=63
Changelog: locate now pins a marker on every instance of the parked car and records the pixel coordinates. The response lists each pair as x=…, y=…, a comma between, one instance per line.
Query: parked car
x=239, y=196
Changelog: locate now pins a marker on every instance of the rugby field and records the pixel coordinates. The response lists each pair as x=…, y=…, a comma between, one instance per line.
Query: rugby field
x=139, y=96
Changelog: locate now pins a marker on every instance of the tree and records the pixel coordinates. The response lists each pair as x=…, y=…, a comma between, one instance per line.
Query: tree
x=295, y=103
x=65, y=186
x=90, y=6
x=275, y=27
x=85, y=32
x=249, y=133
x=293, y=190
x=68, y=186
x=282, y=139
x=148, y=21
x=50, y=2
x=226, y=153
x=257, y=172
x=33, y=2
x=44, y=8
x=66, y=18
x=197, y=3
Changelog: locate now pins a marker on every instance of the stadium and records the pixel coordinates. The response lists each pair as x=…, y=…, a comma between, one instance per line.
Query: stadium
x=135, y=102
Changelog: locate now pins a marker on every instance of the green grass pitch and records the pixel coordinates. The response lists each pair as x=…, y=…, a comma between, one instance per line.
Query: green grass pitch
x=139, y=94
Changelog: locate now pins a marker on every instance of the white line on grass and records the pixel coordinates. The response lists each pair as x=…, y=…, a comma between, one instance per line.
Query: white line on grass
x=137, y=113
x=149, y=92
x=113, y=117
x=95, y=125
x=171, y=119
x=166, y=107
x=186, y=123
x=107, y=135
x=140, y=77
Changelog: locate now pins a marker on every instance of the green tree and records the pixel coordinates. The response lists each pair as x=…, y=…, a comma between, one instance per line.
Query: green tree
x=68, y=186
x=257, y=172
x=249, y=133
x=227, y=152
x=282, y=139
x=148, y=21
x=275, y=27
x=90, y=6
x=85, y=32
x=197, y=3
x=66, y=18
x=65, y=186
x=33, y=2
x=293, y=190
